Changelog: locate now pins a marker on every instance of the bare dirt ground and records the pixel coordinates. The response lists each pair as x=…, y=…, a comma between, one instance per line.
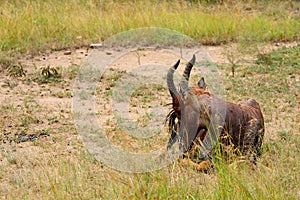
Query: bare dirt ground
x=37, y=119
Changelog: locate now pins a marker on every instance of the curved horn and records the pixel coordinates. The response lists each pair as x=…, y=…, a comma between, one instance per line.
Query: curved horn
x=184, y=83
x=170, y=82
x=188, y=68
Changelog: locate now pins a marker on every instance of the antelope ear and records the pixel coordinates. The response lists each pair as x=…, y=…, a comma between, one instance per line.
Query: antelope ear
x=201, y=83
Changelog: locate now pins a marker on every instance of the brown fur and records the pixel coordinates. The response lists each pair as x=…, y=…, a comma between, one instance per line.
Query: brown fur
x=242, y=123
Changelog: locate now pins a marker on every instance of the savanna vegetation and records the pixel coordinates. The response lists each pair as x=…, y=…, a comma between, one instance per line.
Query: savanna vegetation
x=41, y=155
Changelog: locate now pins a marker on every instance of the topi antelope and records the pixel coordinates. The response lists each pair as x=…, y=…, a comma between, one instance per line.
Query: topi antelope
x=198, y=117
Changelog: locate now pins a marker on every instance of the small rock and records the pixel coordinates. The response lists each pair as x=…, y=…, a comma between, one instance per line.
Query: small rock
x=96, y=46
x=67, y=52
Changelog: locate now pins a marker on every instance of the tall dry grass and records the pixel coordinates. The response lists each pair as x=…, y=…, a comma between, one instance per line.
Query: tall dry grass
x=39, y=25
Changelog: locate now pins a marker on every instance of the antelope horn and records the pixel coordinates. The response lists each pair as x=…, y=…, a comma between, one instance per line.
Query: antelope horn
x=186, y=75
x=170, y=82
x=188, y=68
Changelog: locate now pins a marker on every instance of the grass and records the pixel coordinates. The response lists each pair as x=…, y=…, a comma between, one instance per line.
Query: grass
x=55, y=165
x=39, y=25
x=41, y=156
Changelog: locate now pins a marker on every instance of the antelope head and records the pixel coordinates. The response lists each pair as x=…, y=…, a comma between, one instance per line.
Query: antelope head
x=191, y=108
